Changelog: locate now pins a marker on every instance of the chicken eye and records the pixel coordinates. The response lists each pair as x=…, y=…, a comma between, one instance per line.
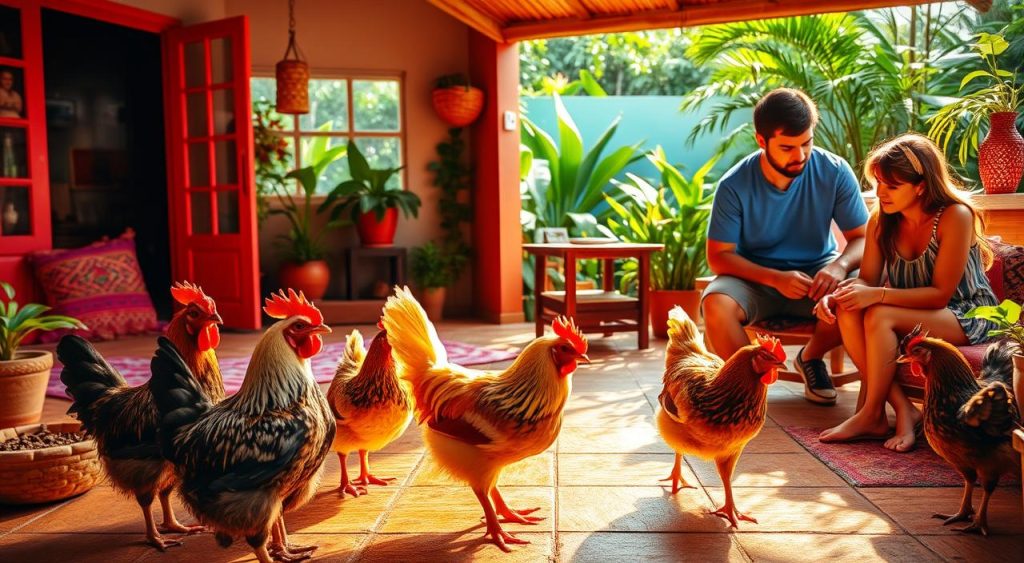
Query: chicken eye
x=193, y=313
x=300, y=325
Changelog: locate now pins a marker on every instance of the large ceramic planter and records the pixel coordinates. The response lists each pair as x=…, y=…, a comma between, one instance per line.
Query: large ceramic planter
x=1018, y=381
x=47, y=474
x=662, y=301
x=458, y=106
x=309, y=277
x=432, y=299
x=377, y=234
x=1001, y=155
x=23, y=386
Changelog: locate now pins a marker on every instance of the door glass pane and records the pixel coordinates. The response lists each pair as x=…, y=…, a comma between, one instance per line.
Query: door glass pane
x=220, y=60
x=227, y=212
x=13, y=160
x=223, y=111
x=375, y=105
x=15, y=215
x=201, y=213
x=12, y=92
x=10, y=32
x=227, y=164
x=195, y=64
x=198, y=165
x=195, y=107
x=383, y=153
x=328, y=101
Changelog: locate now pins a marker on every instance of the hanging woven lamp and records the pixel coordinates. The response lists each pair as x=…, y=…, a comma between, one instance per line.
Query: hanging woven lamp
x=292, y=74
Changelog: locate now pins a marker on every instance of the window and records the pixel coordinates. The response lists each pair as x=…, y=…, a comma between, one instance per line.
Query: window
x=373, y=121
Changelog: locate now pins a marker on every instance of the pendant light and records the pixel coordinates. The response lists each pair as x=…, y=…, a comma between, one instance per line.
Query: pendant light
x=292, y=74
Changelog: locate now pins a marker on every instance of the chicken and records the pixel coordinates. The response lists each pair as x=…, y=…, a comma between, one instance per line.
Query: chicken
x=124, y=419
x=968, y=421
x=712, y=408
x=475, y=424
x=247, y=460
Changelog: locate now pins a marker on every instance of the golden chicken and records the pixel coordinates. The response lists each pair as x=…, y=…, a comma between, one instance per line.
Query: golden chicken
x=967, y=421
x=247, y=460
x=711, y=408
x=124, y=419
x=475, y=424
x=371, y=405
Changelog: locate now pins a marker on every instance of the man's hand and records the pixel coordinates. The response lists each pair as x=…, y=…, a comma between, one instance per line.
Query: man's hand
x=826, y=281
x=825, y=309
x=793, y=284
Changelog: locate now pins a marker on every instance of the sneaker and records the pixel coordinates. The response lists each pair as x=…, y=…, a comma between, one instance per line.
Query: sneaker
x=818, y=387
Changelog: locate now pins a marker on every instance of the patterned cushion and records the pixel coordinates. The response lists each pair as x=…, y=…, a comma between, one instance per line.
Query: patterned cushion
x=1010, y=259
x=100, y=285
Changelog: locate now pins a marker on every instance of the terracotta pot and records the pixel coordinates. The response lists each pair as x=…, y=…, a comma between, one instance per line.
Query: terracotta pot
x=23, y=386
x=1018, y=381
x=377, y=234
x=48, y=474
x=458, y=106
x=662, y=301
x=432, y=299
x=1001, y=155
x=309, y=277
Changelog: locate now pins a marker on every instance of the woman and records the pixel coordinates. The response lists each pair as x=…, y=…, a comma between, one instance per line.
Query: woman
x=928, y=241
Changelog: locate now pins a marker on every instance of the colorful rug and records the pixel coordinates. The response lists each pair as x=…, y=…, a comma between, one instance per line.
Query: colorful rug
x=136, y=369
x=868, y=464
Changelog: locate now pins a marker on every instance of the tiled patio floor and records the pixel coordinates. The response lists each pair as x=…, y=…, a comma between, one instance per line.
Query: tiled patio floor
x=598, y=487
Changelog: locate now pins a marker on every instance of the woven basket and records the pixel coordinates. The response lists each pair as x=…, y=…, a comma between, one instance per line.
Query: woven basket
x=458, y=105
x=49, y=474
x=292, y=87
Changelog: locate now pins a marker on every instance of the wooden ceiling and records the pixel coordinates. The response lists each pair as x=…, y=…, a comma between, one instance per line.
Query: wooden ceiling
x=516, y=20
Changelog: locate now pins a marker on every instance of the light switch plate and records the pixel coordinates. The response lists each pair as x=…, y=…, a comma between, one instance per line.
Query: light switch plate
x=510, y=121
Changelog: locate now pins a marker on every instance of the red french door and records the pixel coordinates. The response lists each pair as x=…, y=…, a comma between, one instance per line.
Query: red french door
x=210, y=165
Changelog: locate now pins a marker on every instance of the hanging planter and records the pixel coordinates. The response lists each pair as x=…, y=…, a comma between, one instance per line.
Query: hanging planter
x=292, y=74
x=1001, y=155
x=456, y=102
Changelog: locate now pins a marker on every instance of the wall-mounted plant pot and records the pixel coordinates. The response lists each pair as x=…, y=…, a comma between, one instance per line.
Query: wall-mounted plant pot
x=23, y=387
x=1001, y=155
x=311, y=278
x=662, y=301
x=458, y=105
x=377, y=234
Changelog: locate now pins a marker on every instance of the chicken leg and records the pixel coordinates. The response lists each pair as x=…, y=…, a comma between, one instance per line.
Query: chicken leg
x=500, y=537
x=364, y=472
x=346, y=485
x=678, y=482
x=966, y=511
x=726, y=465
x=153, y=536
x=170, y=523
x=980, y=523
x=510, y=515
x=281, y=550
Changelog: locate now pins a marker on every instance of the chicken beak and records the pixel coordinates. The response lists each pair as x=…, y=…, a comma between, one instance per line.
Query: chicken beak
x=903, y=359
x=321, y=329
x=215, y=318
x=583, y=359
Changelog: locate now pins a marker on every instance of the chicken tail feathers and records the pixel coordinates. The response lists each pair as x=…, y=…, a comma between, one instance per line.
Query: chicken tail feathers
x=353, y=355
x=412, y=336
x=177, y=395
x=683, y=333
x=88, y=378
x=992, y=409
x=997, y=365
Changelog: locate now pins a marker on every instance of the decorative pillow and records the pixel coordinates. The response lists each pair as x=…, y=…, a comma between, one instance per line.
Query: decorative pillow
x=100, y=285
x=1010, y=258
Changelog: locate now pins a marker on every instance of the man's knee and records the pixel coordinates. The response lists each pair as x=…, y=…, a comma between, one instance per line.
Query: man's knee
x=719, y=308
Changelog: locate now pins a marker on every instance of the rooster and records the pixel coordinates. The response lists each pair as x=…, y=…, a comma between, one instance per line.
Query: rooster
x=475, y=424
x=252, y=457
x=371, y=405
x=712, y=408
x=124, y=419
x=967, y=421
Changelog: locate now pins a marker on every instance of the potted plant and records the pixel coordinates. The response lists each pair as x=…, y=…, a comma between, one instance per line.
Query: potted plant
x=1006, y=316
x=305, y=268
x=676, y=215
x=1001, y=154
x=24, y=373
x=456, y=101
x=270, y=151
x=373, y=204
x=431, y=273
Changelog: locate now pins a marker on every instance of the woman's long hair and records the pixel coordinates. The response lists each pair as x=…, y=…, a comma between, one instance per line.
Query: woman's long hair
x=914, y=159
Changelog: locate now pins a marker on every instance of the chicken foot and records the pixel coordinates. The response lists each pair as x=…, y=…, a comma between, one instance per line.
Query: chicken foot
x=500, y=537
x=728, y=510
x=678, y=482
x=364, y=472
x=348, y=486
x=281, y=550
x=153, y=536
x=979, y=525
x=511, y=515
x=170, y=523
x=966, y=512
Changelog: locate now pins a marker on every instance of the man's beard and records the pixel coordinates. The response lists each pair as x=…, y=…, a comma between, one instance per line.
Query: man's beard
x=782, y=169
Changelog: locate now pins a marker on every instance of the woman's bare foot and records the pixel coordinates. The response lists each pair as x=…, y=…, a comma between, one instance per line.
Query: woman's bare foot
x=857, y=427
x=906, y=431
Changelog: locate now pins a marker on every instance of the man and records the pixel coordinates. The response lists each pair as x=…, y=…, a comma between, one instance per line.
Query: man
x=769, y=237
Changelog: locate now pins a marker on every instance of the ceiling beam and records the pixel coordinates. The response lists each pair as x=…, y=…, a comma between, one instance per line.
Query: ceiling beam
x=474, y=18
x=579, y=9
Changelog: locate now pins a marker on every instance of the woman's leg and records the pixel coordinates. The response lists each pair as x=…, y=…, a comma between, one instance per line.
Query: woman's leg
x=855, y=336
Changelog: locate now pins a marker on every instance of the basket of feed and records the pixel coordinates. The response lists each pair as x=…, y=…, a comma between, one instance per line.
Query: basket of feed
x=46, y=462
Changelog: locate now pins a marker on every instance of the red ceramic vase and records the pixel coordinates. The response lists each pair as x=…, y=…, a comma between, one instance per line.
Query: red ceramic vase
x=1001, y=155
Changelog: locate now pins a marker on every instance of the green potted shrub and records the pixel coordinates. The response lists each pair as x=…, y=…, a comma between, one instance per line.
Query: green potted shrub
x=676, y=215
x=1006, y=316
x=371, y=203
x=431, y=272
x=24, y=373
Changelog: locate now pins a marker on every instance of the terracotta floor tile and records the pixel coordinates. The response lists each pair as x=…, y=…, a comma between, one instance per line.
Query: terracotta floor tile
x=535, y=471
x=833, y=547
x=598, y=382
x=791, y=509
x=770, y=470
x=912, y=508
x=634, y=509
x=80, y=548
x=455, y=509
x=333, y=548
x=329, y=513
x=668, y=547
x=622, y=439
x=608, y=409
x=963, y=547
x=102, y=511
x=382, y=465
x=469, y=546
x=617, y=470
x=409, y=442
x=14, y=517
x=773, y=440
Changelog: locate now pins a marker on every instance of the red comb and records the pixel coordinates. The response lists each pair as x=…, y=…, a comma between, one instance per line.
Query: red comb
x=915, y=340
x=281, y=306
x=380, y=323
x=773, y=345
x=566, y=328
x=187, y=292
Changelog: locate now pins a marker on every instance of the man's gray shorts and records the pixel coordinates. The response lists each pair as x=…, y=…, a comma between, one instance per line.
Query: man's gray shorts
x=761, y=302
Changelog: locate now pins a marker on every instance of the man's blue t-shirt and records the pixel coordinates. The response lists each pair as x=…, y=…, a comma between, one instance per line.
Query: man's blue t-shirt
x=787, y=230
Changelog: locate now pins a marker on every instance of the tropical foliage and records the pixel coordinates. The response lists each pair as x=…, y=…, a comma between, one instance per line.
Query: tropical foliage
x=368, y=191
x=271, y=154
x=17, y=322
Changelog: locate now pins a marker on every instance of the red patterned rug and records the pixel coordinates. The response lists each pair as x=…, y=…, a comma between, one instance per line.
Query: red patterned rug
x=868, y=464
x=135, y=369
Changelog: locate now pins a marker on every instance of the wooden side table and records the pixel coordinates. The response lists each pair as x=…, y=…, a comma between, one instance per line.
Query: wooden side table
x=603, y=310
x=358, y=255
